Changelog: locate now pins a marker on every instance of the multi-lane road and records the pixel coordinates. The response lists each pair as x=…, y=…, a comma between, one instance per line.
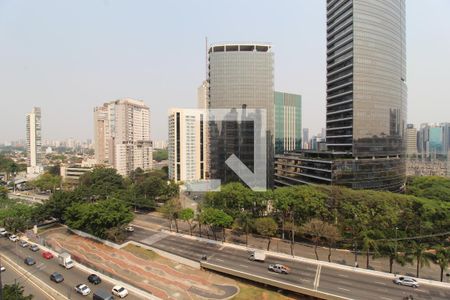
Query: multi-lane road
x=345, y=283
x=38, y=276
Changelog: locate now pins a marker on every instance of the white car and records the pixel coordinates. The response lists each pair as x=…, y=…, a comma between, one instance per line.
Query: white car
x=406, y=281
x=3, y=232
x=83, y=289
x=119, y=291
x=13, y=238
x=129, y=228
x=2, y=269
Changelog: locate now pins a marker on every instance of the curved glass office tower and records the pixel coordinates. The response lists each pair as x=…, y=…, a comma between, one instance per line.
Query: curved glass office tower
x=366, y=98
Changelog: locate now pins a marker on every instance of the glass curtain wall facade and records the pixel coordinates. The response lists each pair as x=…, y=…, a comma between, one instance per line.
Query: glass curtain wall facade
x=288, y=122
x=240, y=76
x=366, y=96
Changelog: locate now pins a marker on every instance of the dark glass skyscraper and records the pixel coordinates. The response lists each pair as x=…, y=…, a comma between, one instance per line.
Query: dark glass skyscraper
x=366, y=99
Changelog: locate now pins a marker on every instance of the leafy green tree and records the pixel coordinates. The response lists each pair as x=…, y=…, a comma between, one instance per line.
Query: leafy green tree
x=244, y=222
x=316, y=229
x=99, y=217
x=216, y=219
x=160, y=155
x=46, y=182
x=421, y=256
x=15, y=292
x=188, y=215
x=266, y=227
x=16, y=216
x=431, y=187
x=102, y=182
x=171, y=210
x=442, y=258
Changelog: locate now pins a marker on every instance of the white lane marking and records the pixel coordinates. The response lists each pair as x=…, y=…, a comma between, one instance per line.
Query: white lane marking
x=382, y=283
x=306, y=280
x=243, y=266
x=386, y=298
x=218, y=259
x=342, y=275
x=317, y=278
x=339, y=288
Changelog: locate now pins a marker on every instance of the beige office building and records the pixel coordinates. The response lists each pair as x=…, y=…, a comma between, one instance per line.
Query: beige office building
x=34, y=142
x=122, y=135
x=186, y=146
x=411, y=140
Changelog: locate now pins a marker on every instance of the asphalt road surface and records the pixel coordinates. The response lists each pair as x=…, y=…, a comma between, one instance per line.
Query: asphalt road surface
x=345, y=283
x=43, y=268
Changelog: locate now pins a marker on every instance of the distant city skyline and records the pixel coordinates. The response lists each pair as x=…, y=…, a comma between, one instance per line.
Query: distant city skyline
x=67, y=58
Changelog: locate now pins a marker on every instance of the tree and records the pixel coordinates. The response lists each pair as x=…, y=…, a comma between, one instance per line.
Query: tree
x=332, y=235
x=421, y=255
x=266, y=227
x=102, y=182
x=188, y=215
x=160, y=155
x=243, y=222
x=442, y=258
x=171, y=210
x=46, y=182
x=16, y=216
x=98, y=218
x=216, y=219
x=15, y=291
x=316, y=229
x=3, y=192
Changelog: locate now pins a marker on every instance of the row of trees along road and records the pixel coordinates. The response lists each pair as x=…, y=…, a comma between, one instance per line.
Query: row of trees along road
x=403, y=228
x=101, y=204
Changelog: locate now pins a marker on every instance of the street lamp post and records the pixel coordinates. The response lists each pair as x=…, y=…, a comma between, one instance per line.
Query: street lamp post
x=396, y=230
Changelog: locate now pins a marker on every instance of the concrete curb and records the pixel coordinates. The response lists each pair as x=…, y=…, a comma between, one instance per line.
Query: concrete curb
x=49, y=290
x=308, y=260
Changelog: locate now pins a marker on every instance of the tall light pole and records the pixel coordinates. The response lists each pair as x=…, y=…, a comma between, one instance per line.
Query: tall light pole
x=396, y=229
x=1, y=285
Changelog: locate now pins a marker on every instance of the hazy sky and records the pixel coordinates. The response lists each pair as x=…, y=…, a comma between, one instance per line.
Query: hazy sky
x=69, y=56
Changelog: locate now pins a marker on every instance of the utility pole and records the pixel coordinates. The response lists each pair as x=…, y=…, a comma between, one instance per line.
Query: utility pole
x=1, y=285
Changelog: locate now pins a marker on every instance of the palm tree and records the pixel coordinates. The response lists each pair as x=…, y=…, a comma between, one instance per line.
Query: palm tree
x=369, y=243
x=421, y=256
x=442, y=258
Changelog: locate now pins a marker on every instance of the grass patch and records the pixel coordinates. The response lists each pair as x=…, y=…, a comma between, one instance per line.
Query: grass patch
x=250, y=291
x=141, y=252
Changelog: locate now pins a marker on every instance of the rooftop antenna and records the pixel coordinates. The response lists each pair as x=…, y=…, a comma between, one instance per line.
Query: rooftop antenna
x=206, y=58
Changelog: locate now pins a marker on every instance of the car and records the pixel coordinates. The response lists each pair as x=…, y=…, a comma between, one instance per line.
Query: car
x=29, y=261
x=278, y=268
x=13, y=238
x=119, y=291
x=2, y=269
x=406, y=281
x=23, y=243
x=56, y=277
x=83, y=289
x=129, y=228
x=34, y=248
x=3, y=232
x=47, y=255
x=95, y=279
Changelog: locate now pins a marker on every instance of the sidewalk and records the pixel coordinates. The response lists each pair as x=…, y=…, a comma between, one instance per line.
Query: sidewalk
x=340, y=256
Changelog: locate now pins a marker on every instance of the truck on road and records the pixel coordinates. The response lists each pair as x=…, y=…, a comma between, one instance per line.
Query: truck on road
x=65, y=260
x=257, y=256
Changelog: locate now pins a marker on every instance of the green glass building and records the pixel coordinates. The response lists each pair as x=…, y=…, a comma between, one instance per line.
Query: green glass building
x=288, y=122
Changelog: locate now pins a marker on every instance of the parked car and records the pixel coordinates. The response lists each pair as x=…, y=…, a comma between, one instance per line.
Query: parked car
x=47, y=255
x=95, y=279
x=83, y=289
x=3, y=232
x=406, y=281
x=119, y=291
x=56, y=277
x=2, y=269
x=29, y=261
x=34, y=248
x=278, y=268
x=23, y=244
x=129, y=228
x=13, y=238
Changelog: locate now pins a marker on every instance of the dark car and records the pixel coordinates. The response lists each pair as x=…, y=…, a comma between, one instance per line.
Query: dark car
x=29, y=261
x=56, y=277
x=102, y=295
x=34, y=248
x=95, y=279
